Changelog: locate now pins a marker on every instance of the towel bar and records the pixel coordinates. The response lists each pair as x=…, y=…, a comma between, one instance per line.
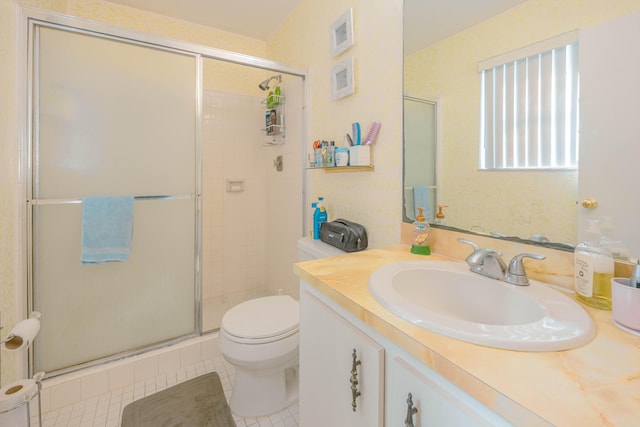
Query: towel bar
x=79, y=201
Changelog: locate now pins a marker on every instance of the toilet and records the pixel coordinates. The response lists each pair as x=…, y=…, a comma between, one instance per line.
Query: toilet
x=260, y=339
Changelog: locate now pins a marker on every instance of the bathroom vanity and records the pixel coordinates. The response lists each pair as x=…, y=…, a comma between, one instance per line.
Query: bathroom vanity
x=362, y=376
x=462, y=383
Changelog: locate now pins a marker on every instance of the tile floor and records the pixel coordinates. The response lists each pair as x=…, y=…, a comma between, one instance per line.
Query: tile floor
x=105, y=410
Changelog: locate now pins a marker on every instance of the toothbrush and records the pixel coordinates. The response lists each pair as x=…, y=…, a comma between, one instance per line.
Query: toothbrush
x=349, y=140
x=355, y=128
x=373, y=132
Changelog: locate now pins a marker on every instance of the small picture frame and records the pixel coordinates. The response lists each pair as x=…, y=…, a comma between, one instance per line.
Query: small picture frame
x=342, y=33
x=342, y=81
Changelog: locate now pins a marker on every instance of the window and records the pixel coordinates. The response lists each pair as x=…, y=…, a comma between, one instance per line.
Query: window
x=529, y=107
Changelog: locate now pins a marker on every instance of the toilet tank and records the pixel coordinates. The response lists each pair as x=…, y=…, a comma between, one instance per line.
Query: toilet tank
x=309, y=249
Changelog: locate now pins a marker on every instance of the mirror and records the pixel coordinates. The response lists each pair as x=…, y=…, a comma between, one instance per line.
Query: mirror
x=536, y=204
x=420, y=147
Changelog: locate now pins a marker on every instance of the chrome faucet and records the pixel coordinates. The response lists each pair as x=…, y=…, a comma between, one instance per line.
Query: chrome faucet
x=485, y=261
x=489, y=263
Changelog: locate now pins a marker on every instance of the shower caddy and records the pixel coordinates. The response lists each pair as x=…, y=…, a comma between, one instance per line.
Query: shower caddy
x=274, y=127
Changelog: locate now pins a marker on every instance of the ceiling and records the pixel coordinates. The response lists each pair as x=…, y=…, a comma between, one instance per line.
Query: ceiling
x=253, y=18
x=427, y=22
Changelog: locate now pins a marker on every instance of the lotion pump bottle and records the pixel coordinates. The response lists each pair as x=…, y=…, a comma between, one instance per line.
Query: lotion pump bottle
x=420, y=241
x=593, y=270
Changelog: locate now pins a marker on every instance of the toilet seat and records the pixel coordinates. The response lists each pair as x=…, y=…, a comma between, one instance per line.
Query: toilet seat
x=262, y=320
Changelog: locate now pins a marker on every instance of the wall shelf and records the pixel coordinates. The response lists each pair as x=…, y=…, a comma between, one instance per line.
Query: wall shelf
x=334, y=169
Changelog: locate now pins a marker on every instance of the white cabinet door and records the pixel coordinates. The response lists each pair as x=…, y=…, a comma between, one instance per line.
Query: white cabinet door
x=609, y=126
x=438, y=401
x=327, y=343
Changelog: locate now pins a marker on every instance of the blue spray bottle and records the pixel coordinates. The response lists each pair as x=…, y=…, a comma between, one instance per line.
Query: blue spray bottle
x=319, y=216
x=314, y=206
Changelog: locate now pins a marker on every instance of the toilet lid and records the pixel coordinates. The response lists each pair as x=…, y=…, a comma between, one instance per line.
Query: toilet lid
x=262, y=318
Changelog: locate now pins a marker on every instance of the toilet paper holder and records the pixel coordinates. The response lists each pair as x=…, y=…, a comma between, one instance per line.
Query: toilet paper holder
x=16, y=338
x=21, y=337
x=22, y=398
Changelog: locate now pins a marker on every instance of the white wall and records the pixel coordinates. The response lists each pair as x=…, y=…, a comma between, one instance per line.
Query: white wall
x=371, y=198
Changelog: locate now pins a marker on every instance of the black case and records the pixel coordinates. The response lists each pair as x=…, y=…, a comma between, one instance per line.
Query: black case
x=345, y=235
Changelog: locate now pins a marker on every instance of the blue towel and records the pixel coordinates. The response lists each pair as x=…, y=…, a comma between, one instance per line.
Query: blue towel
x=107, y=229
x=421, y=199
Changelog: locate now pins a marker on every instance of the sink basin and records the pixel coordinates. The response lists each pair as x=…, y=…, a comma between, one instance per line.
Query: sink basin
x=445, y=297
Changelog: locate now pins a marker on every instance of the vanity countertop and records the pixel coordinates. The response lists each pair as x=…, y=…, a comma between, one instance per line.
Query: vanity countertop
x=597, y=384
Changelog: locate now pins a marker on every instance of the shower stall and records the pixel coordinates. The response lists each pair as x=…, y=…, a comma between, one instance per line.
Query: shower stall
x=181, y=128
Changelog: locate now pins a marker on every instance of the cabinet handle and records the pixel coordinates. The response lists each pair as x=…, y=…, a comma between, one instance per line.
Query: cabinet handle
x=408, y=422
x=354, y=379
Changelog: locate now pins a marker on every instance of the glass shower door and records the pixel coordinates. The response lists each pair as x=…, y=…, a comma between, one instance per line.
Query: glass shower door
x=111, y=117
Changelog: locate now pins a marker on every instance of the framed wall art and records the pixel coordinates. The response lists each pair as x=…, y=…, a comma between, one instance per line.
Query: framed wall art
x=342, y=33
x=342, y=80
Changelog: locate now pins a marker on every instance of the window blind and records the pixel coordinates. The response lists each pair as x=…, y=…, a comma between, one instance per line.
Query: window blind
x=529, y=110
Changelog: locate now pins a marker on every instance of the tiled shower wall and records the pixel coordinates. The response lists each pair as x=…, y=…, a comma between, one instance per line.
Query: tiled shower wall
x=234, y=230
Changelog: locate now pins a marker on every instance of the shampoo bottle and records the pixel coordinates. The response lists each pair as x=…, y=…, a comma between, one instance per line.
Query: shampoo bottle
x=593, y=270
x=420, y=241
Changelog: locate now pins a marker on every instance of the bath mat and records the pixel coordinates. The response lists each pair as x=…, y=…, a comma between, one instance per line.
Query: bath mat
x=198, y=402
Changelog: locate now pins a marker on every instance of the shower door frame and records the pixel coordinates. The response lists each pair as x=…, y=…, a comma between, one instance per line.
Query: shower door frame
x=31, y=17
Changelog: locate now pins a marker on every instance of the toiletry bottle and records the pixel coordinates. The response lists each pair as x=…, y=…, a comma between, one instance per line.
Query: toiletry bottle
x=324, y=214
x=634, y=280
x=270, y=100
x=314, y=208
x=618, y=249
x=273, y=118
x=342, y=156
x=276, y=95
x=267, y=120
x=440, y=220
x=331, y=154
x=319, y=216
x=420, y=240
x=593, y=270
x=325, y=155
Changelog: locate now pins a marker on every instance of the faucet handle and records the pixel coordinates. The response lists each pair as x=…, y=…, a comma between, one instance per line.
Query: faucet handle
x=468, y=242
x=477, y=257
x=516, y=273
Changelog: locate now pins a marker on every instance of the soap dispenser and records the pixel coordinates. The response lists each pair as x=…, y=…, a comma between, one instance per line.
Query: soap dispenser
x=594, y=267
x=420, y=240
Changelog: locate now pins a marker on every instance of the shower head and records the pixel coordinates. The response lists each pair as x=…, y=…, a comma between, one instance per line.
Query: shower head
x=265, y=84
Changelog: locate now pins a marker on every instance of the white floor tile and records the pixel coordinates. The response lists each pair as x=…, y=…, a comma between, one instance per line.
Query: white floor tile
x=106, y=410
